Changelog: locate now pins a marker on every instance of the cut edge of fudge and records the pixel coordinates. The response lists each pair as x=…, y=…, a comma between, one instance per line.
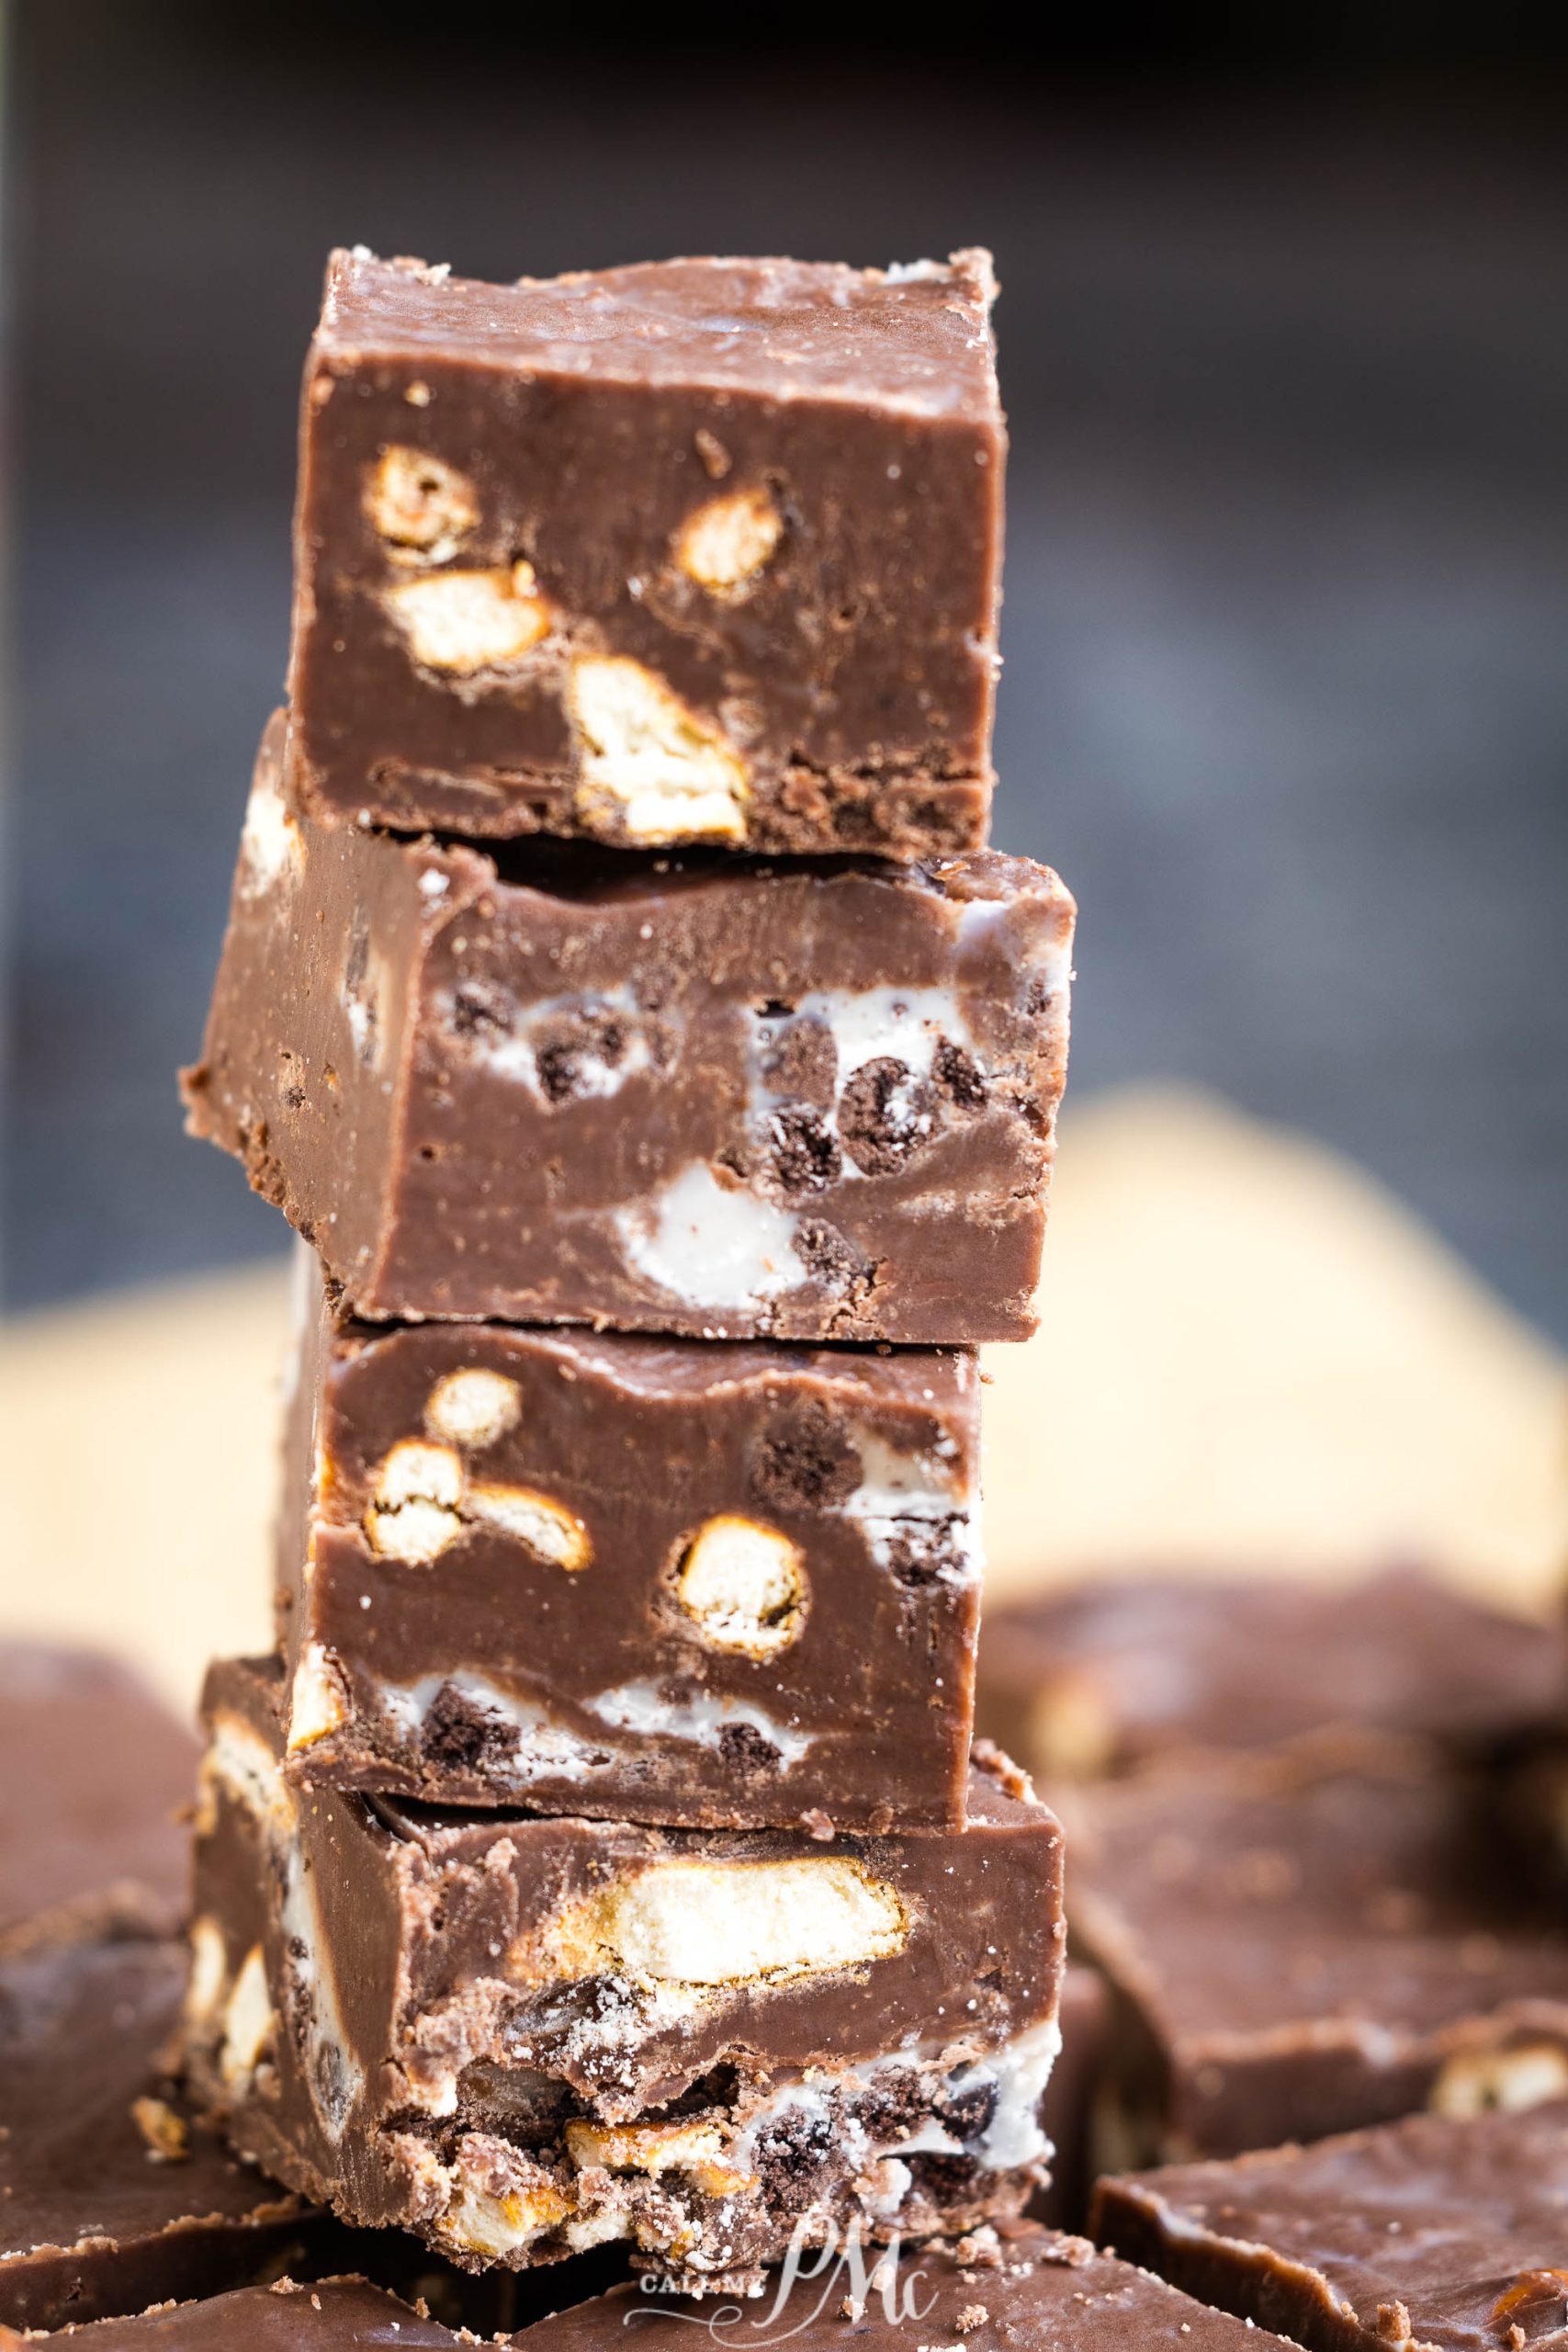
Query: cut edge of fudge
x=871, y=1160
x=695, y=2086
x=476, y=1610
x=573, y=555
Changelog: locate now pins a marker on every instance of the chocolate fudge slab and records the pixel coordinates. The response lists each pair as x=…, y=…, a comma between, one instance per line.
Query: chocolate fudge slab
x=519, y=2036
x=1425, y=2232
x=94, y=1773
x=1034, y=2291
x=1102, y=1675
x=111, y=2196
x=730, y=1585
x=704, y=550
x=699, y=1095
x=333, y=2315
x=1304, y=1944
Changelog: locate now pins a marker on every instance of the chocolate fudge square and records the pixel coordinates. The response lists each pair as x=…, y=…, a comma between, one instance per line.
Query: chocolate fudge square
x=699, y=550
x=1101, y=1676
x=1027, y=2290
x=732, y=1586
x=344, y=2314
x=111, y=2196
x=699, y=1094
x=519, y=2036
x=1303, y=1944
x=93, y=1774
x=1429, y=2232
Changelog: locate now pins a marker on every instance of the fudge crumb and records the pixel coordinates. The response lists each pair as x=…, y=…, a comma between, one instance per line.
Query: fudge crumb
x=1073, y=2251
x=981, y=2250
x=819, y=1825
x=851, y=2308
x=971, y=2317
x=1393, y=2323
x=167, y=2135
x=998, y=1765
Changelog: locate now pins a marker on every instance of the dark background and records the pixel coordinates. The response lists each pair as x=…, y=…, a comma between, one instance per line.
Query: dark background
x=1284, y=348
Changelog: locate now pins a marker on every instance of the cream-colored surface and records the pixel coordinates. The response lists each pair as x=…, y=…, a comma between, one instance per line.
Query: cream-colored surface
x=464, y=621
x=742, y=1585
x=1251, y=1356
x=726, y=543
x=720, y=1923
x=666, y=774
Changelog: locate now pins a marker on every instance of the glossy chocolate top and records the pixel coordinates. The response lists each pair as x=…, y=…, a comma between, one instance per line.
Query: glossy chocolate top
x=93, y=1770
x=1244, y=1897
x=916, y=338
x=331, y=2316
x=92, y=2142
x=1458, y=2224
x=1036, y=2291
x=1134, y=1666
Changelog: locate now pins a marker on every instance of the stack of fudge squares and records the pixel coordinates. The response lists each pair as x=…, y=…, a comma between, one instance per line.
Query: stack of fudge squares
x=621, y=1000
x=603, y=1876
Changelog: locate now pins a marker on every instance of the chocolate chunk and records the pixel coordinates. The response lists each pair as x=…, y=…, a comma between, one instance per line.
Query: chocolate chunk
x=527, y=600
x=801, y=1063
x=479, y=1009
x=804, y=1151
x=830, y=1260
x=687, y=2001
x=885, y=1113
x=958, y=1076
x=544, y=1087
x=462, y=1741
x=804, y=1457
x=743, y=1750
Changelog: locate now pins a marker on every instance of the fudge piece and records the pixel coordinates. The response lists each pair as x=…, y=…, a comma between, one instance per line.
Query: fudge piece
x=93, y=1774
x=700, y=550
x=1030, y=2289
x=1425, y=2232
x=1041, y=2292
x=519, y=2036
x=730, y=1585
x=695, y=1095
x=333, y=2315
x=1100, y=1676
x=1303, y=1944
x=1067, y=2112
x=111, y=2196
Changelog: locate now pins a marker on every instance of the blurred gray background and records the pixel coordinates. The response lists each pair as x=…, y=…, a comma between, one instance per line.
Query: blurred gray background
x=1284, y=349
